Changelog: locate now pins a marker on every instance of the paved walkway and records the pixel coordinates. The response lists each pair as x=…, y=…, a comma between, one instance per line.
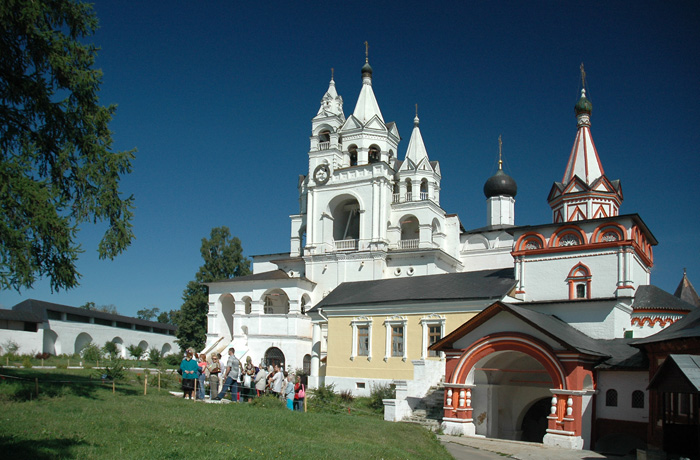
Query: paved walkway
x=461, y=448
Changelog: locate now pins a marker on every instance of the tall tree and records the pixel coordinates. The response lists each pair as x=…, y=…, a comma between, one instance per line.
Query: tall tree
x=148, y=313
x=111, y=308
x=57, y=166
x=223, y=259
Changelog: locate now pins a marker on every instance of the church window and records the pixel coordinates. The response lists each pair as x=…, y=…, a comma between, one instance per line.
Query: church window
x=610, y=236
x=395, y=338
x=397, y=344
x=532, y=244
x=363, y=341
x=611, y=398
x=374, y=154
x=352, y=151
x=268, y=306
x=580, y=291
x=361, y=338
x=569, y=239
x=324, y=140
x=433, y=330
x=306, y=363
x=638, y=399
x=424, y=189
x=409, y=190
x=434, y=335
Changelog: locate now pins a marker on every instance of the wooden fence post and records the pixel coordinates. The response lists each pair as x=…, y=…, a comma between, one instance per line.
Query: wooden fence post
x=145, y=384
x=158, y=380
x=195, y=390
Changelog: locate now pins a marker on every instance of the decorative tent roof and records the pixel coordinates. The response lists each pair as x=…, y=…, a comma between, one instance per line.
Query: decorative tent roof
x=416, y=151
x=650, y=297
x=583, y=160
x=367, y=106
x=686, y=292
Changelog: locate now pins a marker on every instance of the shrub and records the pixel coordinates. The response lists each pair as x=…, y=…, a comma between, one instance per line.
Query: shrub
x=324, y=393
x=135, y=351
x=346, y=396
x=154, y=356
x=27, y=362
x=111, y=349
x=42, y=356
x=173, y=359
x=91, y=352
x=378, y=393
x=115, y=370
x=11, y=347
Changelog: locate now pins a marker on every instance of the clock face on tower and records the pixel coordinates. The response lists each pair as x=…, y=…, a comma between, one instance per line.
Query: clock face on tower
x=322, y=174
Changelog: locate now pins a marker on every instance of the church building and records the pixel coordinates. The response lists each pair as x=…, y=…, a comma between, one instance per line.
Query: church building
x=527, y=328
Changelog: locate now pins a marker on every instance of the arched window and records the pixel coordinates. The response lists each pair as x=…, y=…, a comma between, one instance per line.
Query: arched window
x=352, y=151
x=410, y=232
x=373, y=153
x=324, y=136
x=273, y=356
x=579, y=280
x=424, y=189
x=638, y=399
x=346, y=220
x=409, y=190
x=611, y=398
x=307, y=364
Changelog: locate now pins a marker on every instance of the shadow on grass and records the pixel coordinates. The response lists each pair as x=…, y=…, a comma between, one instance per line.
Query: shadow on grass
x=39, y=448
x=53, y=384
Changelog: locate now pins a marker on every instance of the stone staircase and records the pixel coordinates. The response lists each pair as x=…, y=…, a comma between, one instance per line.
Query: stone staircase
x=428, y=410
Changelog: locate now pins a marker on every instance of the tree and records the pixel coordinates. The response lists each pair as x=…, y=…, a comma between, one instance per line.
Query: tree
x=57, y=166
x=168, y=317
x=147, y=313
x=111, y=308
x=223, y=259
x=135, y=351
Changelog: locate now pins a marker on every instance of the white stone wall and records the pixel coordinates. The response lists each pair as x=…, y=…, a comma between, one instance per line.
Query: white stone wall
x=624, y=382
x=29, y=342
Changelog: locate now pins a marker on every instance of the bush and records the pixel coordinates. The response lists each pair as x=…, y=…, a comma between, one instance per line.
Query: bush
x=347, y=396
x=116, y=370
x=378, y=393
x=173, y=359
x=27, y=362
x=135, y=351
x=154, y=356
x=10, y=347
x=111, y=350
x=324, y=394
x=42, y=356
x=91, y=352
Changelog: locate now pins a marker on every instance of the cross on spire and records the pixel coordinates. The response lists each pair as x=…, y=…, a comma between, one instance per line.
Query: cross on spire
x=332, y=73
x=500, y=152
x=583, y=77
x=366, y=51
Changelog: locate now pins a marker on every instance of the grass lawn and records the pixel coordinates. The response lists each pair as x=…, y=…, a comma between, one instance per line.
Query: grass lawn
x=85, y=420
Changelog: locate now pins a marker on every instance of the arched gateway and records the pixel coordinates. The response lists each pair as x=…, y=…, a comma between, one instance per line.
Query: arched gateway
x=496, y=383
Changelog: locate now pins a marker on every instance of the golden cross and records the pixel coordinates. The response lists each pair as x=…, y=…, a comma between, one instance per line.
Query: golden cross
x=416, y=110
x=583, y=76
x=331, y=73
x=366, y=51
x=500, y=152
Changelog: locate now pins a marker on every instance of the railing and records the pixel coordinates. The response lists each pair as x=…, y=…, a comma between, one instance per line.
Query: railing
x=409, y=244
x=324, y=145
x=423, y=195
x=397, y=197
x=346, y=245
x=409, y=196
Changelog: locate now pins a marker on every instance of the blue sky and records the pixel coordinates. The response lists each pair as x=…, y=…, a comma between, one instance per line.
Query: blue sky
x=218, y=97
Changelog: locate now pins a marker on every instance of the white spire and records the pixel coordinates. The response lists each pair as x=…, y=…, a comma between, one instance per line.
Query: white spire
x=583, y=160
x=367, y=106
x=331, y=102
x=416, y=148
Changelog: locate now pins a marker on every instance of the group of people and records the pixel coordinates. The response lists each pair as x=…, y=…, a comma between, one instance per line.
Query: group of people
x=255, y=381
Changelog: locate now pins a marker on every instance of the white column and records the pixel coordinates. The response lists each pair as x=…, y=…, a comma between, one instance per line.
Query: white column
x=315, y=355
x=294, y=307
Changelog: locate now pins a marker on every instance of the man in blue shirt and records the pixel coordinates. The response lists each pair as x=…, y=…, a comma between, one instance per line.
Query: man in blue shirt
x=233, y=368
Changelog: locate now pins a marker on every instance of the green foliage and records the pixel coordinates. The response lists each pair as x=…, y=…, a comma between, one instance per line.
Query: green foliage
x=110, y=349
x=116, y=370
x=91, y=352
x=268, y=402
x=346, y=396
x=57, y=167
x=380, y=392
x=324, y=394
x=223, y=259
x=10, y=347
x=111, y=308
x=135, y=351
x=154, y=356
x=173, y=359
x=168, y=317
x=27, y=362
x=148, y=314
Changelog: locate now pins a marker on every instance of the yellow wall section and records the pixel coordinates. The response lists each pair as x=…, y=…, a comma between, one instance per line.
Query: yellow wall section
x=340, y=344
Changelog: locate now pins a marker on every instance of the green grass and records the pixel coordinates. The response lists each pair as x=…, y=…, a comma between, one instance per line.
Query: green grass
x=86, y=420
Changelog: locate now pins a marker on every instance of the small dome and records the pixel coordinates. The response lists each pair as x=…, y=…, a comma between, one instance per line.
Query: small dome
x=366, y=68
x=500, y=184
x=583, y=105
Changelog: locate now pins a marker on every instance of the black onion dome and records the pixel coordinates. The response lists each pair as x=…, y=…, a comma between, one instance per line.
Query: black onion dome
x=366, y=68
x=583, y=105
x=500, y=184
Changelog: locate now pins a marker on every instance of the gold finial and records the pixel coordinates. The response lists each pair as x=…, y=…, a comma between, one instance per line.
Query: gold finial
x=416, y=110
x=583, y=77
x=500, y=152
x=332, y=73
x=366, y=51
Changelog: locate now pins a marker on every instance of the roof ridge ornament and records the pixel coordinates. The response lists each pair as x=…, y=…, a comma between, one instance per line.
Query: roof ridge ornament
x=416, y=121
